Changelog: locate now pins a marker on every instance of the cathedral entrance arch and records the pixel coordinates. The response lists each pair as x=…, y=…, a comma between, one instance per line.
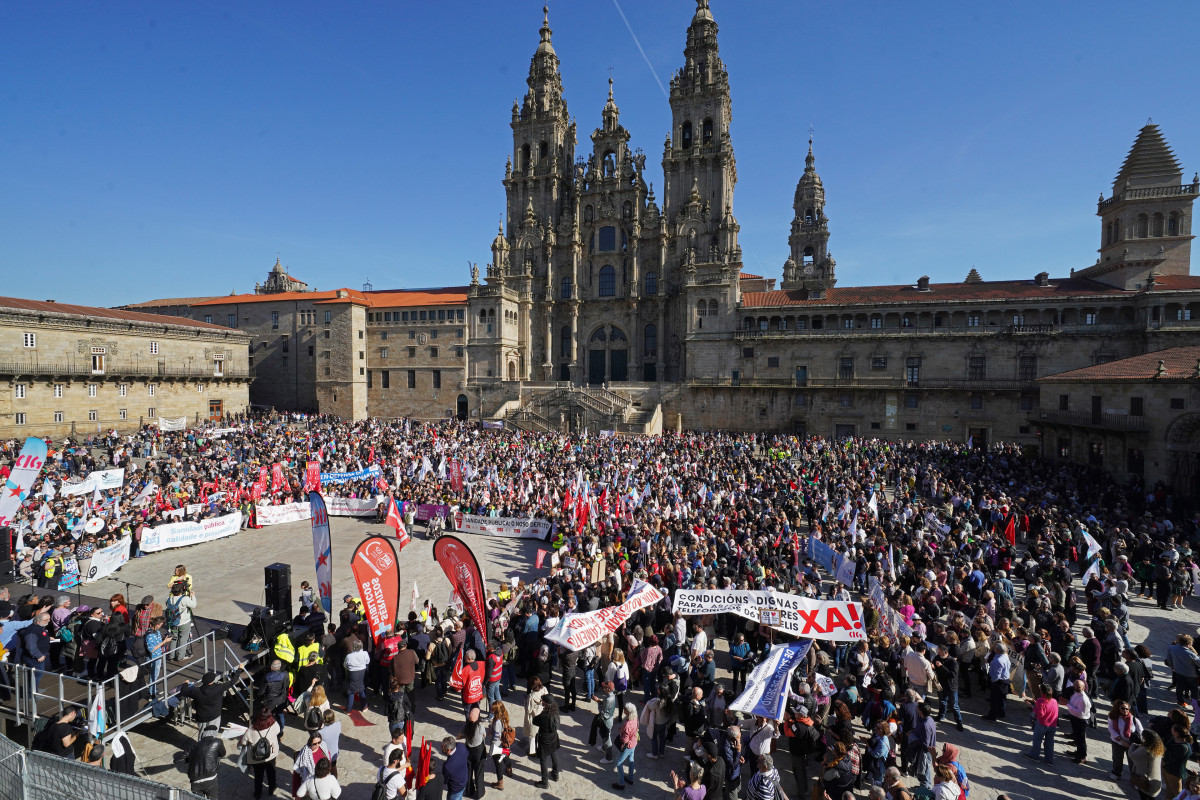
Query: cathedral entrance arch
x=608, y=355
x=462, y=408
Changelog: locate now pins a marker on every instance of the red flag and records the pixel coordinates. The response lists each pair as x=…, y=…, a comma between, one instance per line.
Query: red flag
x=312, y=476
x=276, y=477
x=456, y=672
x=377, y=576
x=460, y=566
x=568, y=500
x=1010, y=530
x=541, y=557
x=394, y=520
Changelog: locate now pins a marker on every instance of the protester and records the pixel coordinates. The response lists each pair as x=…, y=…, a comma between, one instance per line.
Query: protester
x=261, y=742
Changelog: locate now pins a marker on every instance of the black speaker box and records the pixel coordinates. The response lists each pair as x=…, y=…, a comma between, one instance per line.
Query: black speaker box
x=277, y=584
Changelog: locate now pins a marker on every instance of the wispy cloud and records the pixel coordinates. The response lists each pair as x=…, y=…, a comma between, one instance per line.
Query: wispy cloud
x=641, y=50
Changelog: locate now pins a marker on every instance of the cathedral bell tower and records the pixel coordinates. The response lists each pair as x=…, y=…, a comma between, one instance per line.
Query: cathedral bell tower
x=698, y=159
x=809, y=267
x=543, y=158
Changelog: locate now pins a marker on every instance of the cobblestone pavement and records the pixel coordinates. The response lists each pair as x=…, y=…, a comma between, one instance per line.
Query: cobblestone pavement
x=229, y=582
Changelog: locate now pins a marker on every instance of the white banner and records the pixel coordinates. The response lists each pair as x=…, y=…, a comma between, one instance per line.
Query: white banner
x=108, y=560
x=352, y=506
x=183, y=511
x=336, y=506
x=181, y=534
x=510, y=527
x=177, y=424
x=101, y=479
x=577, y=631
x=834, y=620
x=287, y=512
x=217, y=433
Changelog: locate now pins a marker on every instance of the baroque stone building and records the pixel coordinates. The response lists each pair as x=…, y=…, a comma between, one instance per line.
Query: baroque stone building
x=601, y=308
x=71, y=370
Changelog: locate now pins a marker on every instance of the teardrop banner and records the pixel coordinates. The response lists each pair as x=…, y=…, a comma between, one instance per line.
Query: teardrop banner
x=461, y=568
x=322, y=550
x=377, y=576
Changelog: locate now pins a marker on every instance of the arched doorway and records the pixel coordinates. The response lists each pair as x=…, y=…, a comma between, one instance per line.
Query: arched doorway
x=512, y=370
x=462, y=408
x=608, y=355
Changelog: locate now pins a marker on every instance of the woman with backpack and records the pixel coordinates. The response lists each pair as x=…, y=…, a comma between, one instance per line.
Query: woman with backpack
x=89, y=642
x=500, y=741
x=262, y=744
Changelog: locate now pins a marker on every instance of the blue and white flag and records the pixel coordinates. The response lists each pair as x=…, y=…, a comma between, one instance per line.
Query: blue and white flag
x=845, y=571
x=1093, y=545
x=322, y=549
x=767, y=687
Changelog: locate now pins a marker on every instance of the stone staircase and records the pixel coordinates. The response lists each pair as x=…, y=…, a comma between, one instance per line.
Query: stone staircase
x=562, y=407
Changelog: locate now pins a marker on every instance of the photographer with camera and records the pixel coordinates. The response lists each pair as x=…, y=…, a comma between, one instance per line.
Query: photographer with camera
x=178, y=613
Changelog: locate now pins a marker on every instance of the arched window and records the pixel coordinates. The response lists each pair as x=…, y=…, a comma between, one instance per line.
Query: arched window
x=1143, y=226
x=702, y=309
x=608, y=239
x=712, y=308
x=651, y=345
x=651, y=283
x=762, y=323
x=543, y=150
x=748, y=323
x=525, y=158
x=808, y=255
x=1173, y=224
x=1108, y=234
x=587, y=213
x=809, y=216
x=1157, y=228
x=566, y=288
x=708, y=130
x=608, y=281
x=564, y=342
x=483, y=315
x=685, y=136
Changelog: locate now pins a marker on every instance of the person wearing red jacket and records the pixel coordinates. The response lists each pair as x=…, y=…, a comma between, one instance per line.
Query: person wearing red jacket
x=470, y=675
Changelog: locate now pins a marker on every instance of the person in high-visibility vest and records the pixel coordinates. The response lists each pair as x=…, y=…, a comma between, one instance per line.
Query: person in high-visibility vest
x=285, y=651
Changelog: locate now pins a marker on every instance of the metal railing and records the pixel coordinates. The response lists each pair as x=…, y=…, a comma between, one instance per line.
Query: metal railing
x=1121, y=422
x=29, y=775
x=51, y=369
x=36, y=691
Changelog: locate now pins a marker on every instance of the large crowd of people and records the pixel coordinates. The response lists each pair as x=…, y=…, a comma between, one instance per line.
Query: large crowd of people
x=1002, y=575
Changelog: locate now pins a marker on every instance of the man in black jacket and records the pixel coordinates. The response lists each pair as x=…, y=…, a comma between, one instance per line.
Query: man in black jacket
x=207, y=698
x=204, y=761
x=945, y=667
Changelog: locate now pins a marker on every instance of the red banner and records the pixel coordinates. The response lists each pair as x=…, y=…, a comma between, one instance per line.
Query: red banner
x=456, y=475
x=312, y=476
x=460, y=566
x=377, y=576
x=276, y=477
x=264, y=480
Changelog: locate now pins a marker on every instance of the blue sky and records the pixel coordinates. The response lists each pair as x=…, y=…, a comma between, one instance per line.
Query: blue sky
x=163, y=150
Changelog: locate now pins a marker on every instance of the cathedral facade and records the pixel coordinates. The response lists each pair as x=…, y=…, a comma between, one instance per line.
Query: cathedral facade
x=590, y=278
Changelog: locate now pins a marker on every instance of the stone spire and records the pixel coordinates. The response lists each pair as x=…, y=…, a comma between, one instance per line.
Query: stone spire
x=809, y=266
x=1150, y=162
x=544, y=97
x=611, y=113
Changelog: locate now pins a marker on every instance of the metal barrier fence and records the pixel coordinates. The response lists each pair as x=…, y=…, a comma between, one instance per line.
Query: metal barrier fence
x=26, y=775
x=36, y=692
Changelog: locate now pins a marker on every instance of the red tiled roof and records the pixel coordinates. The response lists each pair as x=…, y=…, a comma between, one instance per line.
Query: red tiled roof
x=267, y=298
x=106, y=313
x=1061, y=288
x=168, y=301
x=445, y=296
x=749, y=276
x=1180, y=363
